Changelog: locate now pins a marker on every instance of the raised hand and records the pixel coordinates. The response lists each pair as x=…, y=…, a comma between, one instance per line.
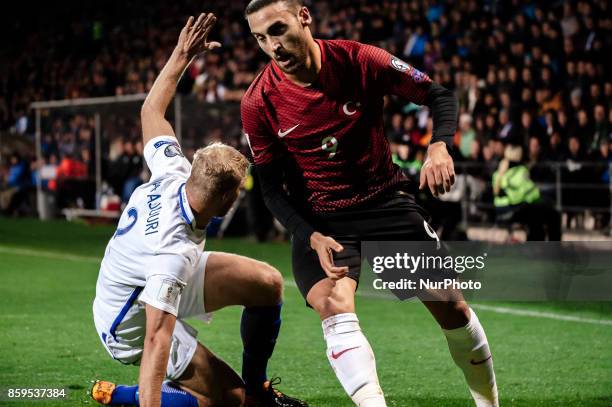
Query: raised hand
x=193, y=39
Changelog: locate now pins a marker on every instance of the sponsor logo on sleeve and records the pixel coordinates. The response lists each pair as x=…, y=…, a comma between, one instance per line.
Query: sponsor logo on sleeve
x=161, y=143
x=418, y=76
x=172, y=150
x=402, y=66
x=399, y=64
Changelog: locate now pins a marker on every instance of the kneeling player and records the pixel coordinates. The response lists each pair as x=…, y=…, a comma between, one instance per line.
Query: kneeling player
x=155, y=272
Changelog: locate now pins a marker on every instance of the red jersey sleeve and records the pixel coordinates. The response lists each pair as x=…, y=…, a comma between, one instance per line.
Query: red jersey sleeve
x=264, y=146
x=392, y=75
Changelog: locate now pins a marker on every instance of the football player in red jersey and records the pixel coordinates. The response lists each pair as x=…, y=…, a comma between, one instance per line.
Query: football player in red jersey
x=314, y=120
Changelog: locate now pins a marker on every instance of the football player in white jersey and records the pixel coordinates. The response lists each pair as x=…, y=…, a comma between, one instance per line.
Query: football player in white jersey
x=155, y=272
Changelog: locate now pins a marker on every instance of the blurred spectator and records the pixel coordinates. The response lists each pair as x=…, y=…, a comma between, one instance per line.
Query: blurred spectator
x=520, y=70
x=541, y=55
x=518, y=199
x=575, y=175
x=409, y=160
x=601, y=175
x=74, y=187
x=48, y=173
x=14, y=199
x=133, y=169
x=601, y=127
x=467, y=135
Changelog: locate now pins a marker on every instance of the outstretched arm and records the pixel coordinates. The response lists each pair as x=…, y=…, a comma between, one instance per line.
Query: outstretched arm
x=192, y=41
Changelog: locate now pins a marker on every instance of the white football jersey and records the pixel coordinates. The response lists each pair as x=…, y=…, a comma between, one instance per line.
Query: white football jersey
x=156, y=247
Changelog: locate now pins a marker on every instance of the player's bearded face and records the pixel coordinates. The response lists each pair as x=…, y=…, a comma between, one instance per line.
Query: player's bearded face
x=291, y=55
x=282, y=34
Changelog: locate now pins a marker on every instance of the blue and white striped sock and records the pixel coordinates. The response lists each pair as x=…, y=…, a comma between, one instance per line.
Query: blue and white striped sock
x=172, y=395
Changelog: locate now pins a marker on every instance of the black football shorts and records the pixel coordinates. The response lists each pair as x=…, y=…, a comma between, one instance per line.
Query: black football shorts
x=393, y=216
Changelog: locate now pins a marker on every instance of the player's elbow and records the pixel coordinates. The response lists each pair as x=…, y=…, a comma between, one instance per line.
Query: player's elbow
x=446, y=96
x=146, y=110
x=438, y=94
x=157, y=343
x=157, y=337
x=159, y=333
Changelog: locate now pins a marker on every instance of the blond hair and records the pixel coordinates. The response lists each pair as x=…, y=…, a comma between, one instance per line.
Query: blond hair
x=216, y=170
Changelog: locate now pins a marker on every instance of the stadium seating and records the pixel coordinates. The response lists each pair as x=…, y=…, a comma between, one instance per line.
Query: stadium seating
x=528, y=73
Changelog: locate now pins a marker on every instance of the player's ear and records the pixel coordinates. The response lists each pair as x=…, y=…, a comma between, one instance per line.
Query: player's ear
x=304, y=16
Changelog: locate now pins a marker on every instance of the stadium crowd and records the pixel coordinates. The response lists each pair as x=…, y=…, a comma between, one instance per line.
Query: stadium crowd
x=527, y=73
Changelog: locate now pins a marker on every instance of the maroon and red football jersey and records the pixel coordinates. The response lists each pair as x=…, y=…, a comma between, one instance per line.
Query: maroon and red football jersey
x=331, y=133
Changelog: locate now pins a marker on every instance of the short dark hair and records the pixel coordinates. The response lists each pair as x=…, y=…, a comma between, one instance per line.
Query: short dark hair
x=256, y=5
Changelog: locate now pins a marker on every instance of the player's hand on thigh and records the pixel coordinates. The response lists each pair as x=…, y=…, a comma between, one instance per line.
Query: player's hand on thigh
x=438, y=172
x=325, y=246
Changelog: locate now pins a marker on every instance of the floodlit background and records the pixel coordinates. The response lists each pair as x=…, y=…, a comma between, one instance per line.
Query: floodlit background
x=526, y=73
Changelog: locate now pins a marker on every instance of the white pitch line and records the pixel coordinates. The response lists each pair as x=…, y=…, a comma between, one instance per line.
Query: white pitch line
x=540, y=314
x=48, y=255
x=291, y=283
x=499, y=310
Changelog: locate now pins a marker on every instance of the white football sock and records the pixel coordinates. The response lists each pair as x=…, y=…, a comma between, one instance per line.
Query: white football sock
x=470, y=350
x=370, y=395
x=352, y=359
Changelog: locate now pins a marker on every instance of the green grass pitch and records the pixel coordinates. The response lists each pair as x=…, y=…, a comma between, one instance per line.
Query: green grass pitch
x=47, y=338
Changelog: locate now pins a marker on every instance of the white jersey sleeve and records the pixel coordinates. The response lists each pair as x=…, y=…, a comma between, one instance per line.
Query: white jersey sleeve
x=164, y=157
x=165, y=282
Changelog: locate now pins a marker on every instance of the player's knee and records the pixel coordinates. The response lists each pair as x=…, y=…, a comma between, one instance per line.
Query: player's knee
x=234, y=397
x=329, y=306
x=461, y=309
x=276, y=286
x=273, y=282
x=456, y=315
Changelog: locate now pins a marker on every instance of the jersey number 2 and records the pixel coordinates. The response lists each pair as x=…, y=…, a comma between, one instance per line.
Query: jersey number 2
x=133, y=215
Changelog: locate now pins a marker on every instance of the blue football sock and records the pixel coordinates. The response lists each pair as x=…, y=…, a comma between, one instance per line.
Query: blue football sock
x=172, y=396
x=125, y=395
x=259, y=329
